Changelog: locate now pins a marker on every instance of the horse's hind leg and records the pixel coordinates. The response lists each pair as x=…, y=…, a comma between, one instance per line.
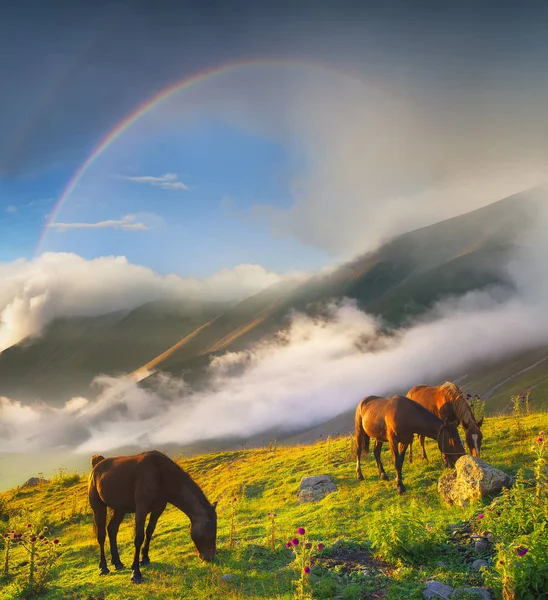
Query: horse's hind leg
x=362, y=443
x=112, y=529
x=154, y=516
x=99, y=522
x=421, y=442
x=140, y=517
x=377, y=453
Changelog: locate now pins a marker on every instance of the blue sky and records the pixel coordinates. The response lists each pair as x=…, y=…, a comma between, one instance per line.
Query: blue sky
x=194, y=231
x=458, y=76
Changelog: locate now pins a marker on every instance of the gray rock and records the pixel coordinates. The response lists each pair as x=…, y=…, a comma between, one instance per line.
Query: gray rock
x=34, y=481
x=471, y=480
x=479, y=563
x=313, y=489
x=227, y=577
x=435, y=589
x=480, y=592
x=440, y=563
x=481, y=545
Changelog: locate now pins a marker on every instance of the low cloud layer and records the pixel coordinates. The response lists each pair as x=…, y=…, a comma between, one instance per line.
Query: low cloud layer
x=307, y=375
x=33, y=293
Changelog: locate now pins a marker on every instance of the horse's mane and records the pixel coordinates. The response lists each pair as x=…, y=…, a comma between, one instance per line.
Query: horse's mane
x=171, y=469
x=460, y=406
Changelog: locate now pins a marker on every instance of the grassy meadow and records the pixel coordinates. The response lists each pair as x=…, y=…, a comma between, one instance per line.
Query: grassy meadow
x=377, y=544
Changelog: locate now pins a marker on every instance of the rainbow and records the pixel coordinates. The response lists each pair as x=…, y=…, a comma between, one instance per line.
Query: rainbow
x=117, y=131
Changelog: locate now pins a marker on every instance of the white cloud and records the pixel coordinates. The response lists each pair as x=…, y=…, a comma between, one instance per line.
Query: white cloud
x=309, y=374
x=376, y=157
x=168, y=181
x=32, y=293
x=11, y=209
x=126, y=223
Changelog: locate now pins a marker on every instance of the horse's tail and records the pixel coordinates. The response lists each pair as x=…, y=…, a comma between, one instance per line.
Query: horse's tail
x=96, y=458
x=362, y=440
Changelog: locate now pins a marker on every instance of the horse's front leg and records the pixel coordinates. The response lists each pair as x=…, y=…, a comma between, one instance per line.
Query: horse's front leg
x=377, y=453
x=140, y=517
x=154, y=516
x=411, y=451
x=398, y=461
x=421, y=442
x=112, y=529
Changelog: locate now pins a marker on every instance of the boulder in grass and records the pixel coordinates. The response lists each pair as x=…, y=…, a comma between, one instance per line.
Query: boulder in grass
x=313, y=489
x=435, y=589
x=33, y=481
x=471, y=480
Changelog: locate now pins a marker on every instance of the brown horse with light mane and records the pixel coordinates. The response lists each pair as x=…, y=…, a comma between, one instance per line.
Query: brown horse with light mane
x=396, y=420
x=447, y=400
x=143, y=484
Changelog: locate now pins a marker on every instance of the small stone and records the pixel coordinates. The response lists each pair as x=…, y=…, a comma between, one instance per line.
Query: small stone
x=435, y=589
x=227, y=577
x=479, y=563
x=440, y=563
x=481, y=545
x=315, y=488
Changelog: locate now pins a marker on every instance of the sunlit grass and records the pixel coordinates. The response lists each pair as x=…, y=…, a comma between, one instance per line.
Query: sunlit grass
x=265, y=481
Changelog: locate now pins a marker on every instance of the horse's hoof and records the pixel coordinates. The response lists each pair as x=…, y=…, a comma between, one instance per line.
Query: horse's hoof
x=359, y=476
x=145, y=561
x=136, y=578
x=103, y=571
x=401, y=489
x=384, y=476
x=119, y=566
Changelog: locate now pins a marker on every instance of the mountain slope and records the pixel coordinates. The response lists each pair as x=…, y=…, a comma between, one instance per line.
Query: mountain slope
x=399, y=280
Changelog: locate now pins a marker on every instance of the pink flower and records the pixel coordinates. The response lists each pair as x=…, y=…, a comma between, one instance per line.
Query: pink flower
x=6, y=535
x=56, y=541
x=540, y=440
x=288, y=545
x=321, y=546
x=308, y=545
x=306, y=570
x=33, y=539
x=480, y=516
x=295, y=542
x=522, y=550
x=301, y=531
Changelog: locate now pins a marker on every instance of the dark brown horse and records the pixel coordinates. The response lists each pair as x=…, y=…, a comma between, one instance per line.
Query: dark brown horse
x=396, y=420
x=143, y=484
x=447, y=400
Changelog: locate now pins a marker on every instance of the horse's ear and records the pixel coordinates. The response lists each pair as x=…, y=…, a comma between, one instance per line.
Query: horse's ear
x=480, y=422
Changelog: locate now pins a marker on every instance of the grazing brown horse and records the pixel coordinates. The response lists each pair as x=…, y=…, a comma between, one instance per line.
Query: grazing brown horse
x=144, y=484
x=395, y=420
x=447, y=400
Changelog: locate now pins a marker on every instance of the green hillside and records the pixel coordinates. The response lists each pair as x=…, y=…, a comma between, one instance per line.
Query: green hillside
x=378, y=545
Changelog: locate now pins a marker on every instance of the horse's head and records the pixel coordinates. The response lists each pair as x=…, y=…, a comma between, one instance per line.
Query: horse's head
x=474, y=437
x=203, y=531
x=449, y=442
